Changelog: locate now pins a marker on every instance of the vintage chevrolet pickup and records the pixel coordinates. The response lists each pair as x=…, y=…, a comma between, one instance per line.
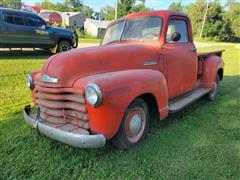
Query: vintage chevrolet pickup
x=146, y=64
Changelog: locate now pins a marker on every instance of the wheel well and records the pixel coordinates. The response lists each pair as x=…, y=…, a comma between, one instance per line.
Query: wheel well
x=65, y=39
x=151, y=103
x=220, y=73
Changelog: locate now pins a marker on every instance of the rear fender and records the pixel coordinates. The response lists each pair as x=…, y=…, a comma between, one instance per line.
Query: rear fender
x=119, y=89
x=210, y=68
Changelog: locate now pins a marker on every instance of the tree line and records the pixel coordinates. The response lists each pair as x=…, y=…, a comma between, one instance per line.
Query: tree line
x=222, y=21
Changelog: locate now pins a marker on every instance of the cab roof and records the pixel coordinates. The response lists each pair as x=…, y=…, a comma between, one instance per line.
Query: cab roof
x=163, y=13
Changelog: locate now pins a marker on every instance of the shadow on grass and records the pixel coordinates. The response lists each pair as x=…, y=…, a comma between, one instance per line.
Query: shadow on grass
x=25, y=54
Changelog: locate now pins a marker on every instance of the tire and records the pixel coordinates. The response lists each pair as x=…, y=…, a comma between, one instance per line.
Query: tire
x=212, y=94
x=63, y=46
x=134, y=126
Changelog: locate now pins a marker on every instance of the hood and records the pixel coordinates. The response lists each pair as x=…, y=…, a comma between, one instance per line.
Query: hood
x=69, y=66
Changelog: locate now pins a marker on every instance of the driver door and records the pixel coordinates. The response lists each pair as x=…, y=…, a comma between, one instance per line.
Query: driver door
x=181, y=58
x=40, y=35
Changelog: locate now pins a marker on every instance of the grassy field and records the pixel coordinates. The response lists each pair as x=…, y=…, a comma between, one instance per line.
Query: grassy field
x=89, y=40
x=201, y=142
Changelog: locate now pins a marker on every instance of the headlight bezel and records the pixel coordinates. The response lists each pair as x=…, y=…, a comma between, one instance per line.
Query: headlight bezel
x=29, y=82
x=98, y=92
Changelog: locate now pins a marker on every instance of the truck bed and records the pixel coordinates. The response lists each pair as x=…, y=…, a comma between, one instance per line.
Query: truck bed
x=204, y=55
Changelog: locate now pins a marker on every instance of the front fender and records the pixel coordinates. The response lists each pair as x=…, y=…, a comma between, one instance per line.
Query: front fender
x=119, y=89
x=210, y=68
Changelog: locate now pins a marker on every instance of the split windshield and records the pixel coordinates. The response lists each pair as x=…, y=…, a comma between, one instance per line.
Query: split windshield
x=141, y=29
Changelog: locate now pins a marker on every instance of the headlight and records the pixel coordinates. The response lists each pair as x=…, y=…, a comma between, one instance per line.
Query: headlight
x=93, y=94
x=29, y=82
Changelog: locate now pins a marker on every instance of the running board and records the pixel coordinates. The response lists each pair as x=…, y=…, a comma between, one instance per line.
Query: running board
x=182, y=101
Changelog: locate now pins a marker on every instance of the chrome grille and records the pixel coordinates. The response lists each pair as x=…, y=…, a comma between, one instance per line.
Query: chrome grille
x=61, y=108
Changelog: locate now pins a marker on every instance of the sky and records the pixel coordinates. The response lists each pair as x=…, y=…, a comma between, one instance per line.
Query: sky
x=98, y=4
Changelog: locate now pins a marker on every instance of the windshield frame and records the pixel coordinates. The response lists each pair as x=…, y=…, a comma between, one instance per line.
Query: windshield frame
x=125, y=22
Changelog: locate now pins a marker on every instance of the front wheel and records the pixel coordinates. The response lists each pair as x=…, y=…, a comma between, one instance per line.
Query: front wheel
x=63, y=46
x=134, y=126
x=212, y=94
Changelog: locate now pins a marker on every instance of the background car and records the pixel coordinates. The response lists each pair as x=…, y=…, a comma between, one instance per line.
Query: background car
x=26, y=30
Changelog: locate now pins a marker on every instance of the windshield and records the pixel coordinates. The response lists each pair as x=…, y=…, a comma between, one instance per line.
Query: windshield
x=141, y=29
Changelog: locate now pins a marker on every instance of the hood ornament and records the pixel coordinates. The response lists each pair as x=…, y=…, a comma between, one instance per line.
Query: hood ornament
x=48, y=79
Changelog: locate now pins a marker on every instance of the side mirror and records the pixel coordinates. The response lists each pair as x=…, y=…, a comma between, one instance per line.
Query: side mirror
x=176, y=36
x=48, y=25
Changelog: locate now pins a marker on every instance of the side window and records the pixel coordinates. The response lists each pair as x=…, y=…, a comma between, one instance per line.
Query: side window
x=177, y=26
x=35, y=22
x=13, y=19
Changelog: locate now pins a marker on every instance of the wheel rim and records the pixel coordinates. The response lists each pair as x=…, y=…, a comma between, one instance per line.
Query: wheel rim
x=64, y=47
x=135, y=124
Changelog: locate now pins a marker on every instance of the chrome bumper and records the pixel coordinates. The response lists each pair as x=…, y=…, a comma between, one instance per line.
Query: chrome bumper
x=73, y=139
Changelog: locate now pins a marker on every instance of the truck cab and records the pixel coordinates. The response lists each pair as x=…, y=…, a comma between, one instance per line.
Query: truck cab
x=146, y=64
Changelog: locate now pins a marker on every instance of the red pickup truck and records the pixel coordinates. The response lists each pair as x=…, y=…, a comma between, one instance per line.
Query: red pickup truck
x=146, y=64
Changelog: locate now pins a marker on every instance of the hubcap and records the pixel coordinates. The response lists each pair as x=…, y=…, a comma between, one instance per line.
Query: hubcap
x=135, y=124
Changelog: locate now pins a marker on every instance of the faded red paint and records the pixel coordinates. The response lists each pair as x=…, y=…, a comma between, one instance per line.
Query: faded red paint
x=119, y=71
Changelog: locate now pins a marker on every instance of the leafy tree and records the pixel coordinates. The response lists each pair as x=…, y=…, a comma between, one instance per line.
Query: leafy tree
x=46, y=4
x=124, y=7
x=75, y=5
x=15, y=4
x=87, y=11
x=62, y=7
x=232, y=15
x=217, y=26
x=67, y=5
x=108, y=12
x=176, y=6
x=140, y=8
x=196, y=13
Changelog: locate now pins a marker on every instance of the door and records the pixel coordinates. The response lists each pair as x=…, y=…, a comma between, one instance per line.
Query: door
x=13, y=30
x=40, y=35
x=181, y=58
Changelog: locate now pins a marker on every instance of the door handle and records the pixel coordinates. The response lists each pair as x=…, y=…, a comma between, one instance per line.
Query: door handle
x=193, y=49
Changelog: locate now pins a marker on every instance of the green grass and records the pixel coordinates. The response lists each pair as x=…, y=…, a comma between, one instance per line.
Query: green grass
x=89, y=40
x=200, y=142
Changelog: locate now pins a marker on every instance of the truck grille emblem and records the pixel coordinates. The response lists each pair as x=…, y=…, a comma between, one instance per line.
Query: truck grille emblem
x=48, y=79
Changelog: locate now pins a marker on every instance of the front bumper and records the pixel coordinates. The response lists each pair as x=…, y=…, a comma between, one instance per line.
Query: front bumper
x=73, y=139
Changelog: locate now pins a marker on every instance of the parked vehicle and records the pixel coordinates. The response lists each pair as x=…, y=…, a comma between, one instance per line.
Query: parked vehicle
x=147, y=63
x=19, y=29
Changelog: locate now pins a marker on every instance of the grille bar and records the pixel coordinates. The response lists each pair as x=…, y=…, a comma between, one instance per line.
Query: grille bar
x=66, y=97
x=62, y=105
x=60, y=113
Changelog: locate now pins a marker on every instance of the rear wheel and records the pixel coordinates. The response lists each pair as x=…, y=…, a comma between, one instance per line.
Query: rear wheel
x=63, y=46
x=212, y=94
x=134, y=126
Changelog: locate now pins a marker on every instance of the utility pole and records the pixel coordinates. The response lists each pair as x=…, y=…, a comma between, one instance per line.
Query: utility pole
x=204, y=19
x=116, y=9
